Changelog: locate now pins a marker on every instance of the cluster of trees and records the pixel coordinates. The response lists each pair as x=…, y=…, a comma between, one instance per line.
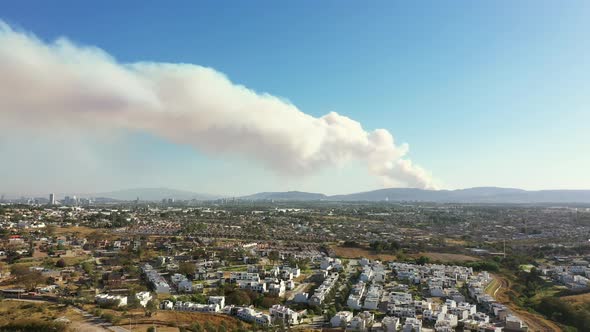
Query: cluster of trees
x=195, y=298
x=488, y=265
x=187, y=268
x=385, y=246
x=526, y=287
x=422, y=260
x=25, y=277
x=567, y=313
x=242, y=297
x=529, y=283
x=351, y=244
x=33, y=325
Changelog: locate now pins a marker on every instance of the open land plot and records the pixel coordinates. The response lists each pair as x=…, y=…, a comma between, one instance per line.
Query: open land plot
x=355, y=252
x=13, y=310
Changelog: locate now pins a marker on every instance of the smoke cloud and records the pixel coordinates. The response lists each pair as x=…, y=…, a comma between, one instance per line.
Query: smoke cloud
x=48, y=85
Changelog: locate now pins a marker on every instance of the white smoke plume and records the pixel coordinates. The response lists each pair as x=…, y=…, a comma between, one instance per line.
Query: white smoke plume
x=63, y=84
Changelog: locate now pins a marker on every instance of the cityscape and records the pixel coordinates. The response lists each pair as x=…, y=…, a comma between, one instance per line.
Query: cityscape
x=217, y=166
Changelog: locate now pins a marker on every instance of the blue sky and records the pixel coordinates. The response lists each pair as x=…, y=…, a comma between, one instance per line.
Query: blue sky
x=489, y=93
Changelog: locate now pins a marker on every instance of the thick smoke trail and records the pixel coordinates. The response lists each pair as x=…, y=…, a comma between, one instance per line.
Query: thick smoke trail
x=62, y=84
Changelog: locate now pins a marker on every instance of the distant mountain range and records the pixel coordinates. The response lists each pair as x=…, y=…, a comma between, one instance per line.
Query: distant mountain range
x=285, y=196
x=470, y=195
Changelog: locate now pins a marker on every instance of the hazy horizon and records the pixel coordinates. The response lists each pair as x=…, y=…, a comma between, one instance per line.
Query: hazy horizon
x=60, y=195
x=212, y=98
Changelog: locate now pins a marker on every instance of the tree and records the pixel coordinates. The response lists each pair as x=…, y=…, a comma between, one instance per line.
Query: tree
x=133, y=301
x=422, y=260
x=151, y=307
x=303, y=263
x=187, y=268
x=209, y=327
x=25, y=277
x=274, y=256
x=61, y=263
x=198, y=298
x=88, y=267
x=196, y=327
x=269, y=301
x=238, y=297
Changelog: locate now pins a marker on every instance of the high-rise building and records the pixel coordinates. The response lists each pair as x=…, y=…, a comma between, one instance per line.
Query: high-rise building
x=70, y=200
x=52, y=199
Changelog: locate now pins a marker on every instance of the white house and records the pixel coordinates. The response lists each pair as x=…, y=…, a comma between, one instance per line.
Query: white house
x=143, y=298
x=373, y=297
x=156, y=280
x=362, y=322
x=341, y=318
x=118, y=300
x=244, y=276
x=167, y=305
x=182, y=284
x=253, y=316
x=284, y=314
x=254, y=286
x=412, y=325
x=219, y=300
x=390, y=324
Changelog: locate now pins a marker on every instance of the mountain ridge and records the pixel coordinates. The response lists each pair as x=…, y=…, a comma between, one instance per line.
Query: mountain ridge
x=285, y=196
x=466, y=195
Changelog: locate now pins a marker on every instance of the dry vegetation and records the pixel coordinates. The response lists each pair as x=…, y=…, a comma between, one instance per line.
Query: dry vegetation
x=12, y=310
x=354, y=252
x=145, y=327
x=577, y=299
x=79, y=230
x=171, y=318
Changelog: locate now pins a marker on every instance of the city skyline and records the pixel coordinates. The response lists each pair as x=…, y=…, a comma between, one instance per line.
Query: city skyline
x=473, y=90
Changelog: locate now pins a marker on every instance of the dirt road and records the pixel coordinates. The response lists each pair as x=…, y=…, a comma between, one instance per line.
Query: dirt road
x=535, y=322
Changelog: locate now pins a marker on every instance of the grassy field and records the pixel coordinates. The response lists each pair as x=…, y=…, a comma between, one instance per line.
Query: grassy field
x=11, y=310
x=70, y=261
x=80, y=230
x=527, y=267
x=577, y=299
x=174, y=318
x=350, y=252
x=145, y=327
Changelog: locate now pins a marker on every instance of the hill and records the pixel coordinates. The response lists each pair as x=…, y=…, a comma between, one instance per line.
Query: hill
x=470, y=195
x=285, y=196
